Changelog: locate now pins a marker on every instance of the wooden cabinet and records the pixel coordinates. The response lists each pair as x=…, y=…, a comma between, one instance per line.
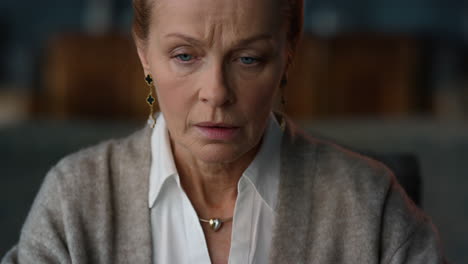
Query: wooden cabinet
x=351, y=75
x=97, y=77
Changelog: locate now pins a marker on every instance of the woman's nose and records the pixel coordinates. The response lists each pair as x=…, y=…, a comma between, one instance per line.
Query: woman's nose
x=215, y=90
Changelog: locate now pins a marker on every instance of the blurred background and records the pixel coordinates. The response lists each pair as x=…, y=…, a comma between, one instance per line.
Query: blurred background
x=385, y=77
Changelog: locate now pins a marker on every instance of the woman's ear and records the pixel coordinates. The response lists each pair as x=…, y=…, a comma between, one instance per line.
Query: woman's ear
x=142, y=54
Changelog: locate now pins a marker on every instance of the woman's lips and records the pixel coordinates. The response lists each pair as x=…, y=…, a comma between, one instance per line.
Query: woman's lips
x=217, y=131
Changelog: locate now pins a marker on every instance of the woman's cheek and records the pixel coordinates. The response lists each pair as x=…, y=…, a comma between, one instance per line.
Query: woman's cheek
x=175, y=98
x=263, y=90
x=179, y=70
x=258, y=105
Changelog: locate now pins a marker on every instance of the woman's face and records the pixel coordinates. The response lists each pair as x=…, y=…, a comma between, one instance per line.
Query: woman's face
x=217, y=66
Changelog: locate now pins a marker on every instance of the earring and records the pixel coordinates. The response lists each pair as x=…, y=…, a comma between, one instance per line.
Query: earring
x=150, y=100
x=284, y=82
x=283, y=101
x=283, y=105
x=282, y=124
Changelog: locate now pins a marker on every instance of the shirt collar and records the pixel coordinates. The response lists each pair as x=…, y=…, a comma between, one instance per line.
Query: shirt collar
x=263, y=173
x=163, y=165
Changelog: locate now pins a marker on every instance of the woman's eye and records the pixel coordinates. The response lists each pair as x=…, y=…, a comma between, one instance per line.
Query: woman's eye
x=185, y=57
x=248, y=60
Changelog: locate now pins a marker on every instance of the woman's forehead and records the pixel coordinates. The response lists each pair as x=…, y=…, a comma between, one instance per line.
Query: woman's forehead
x=219, y=6
x=211, y=19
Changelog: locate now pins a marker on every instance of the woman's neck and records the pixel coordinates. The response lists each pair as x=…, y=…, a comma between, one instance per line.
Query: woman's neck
x=211, y=187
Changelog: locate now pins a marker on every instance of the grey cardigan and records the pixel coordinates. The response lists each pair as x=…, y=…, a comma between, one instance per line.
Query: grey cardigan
x=334, y=207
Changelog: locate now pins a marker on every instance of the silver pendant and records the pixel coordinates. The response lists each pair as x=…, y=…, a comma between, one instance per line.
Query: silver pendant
x=215, y=224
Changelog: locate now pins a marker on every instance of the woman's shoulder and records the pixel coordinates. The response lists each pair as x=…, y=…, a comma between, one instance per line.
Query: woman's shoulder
x=330, y=195
x=328, y=161
x=346, y=196
x=85, y=199
x=106, y=161
x=319, y=168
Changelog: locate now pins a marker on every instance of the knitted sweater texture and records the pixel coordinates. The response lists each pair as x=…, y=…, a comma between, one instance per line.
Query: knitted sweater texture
x=335, y=206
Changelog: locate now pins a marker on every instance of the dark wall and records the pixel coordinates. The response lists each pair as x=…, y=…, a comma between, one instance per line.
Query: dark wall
x=29, y=23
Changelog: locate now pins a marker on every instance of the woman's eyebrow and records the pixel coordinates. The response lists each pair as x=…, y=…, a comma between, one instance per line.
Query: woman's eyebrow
x=246, y=41
x=187, y=38
x=242, y=42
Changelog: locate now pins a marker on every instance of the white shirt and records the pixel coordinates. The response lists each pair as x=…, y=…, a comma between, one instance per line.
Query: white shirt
x=176, y=230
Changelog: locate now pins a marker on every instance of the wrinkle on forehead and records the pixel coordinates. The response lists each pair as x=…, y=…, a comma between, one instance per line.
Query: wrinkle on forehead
x=219, y=21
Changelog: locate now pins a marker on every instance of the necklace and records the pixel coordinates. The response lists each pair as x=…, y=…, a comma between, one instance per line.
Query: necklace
x=215, y=223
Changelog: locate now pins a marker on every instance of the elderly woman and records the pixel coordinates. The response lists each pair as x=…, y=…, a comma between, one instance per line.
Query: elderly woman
x=217, y=177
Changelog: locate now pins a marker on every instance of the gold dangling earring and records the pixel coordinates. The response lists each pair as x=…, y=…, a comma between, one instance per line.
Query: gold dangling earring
x=150, y=100
x=282, y=122
x=284, y=82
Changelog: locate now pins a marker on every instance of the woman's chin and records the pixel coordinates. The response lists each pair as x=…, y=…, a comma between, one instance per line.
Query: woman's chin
x=218, y=153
